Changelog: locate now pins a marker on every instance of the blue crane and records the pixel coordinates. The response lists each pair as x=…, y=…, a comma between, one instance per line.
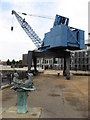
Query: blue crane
x=56, y=43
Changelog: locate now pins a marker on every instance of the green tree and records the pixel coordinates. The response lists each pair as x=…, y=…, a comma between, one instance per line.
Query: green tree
x=20, y=62
x=13, y=62
x=8, y=62
x=17, y=62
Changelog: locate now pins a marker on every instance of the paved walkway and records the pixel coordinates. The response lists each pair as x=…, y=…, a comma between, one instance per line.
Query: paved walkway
x=58, y=97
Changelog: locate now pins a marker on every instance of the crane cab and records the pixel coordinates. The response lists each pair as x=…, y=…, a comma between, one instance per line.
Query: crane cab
x=63, y=36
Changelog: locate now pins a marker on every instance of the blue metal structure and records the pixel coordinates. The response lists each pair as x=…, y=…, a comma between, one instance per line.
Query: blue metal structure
x=56, y=43
x=63, y=36
x=28, y=29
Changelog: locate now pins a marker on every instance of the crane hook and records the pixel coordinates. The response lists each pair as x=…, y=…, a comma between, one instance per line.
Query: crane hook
x=11, y=28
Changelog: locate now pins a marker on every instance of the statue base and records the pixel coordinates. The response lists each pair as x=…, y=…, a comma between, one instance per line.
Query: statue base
x=22, y=101
x=33, y=112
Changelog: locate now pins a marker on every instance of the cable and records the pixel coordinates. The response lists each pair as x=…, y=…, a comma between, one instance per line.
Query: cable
x=33, y=15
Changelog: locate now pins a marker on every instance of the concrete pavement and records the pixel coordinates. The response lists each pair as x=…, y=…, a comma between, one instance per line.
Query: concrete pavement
x=58, y=97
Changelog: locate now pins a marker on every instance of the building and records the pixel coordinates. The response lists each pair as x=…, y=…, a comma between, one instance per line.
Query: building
x=24, y=59
x=80, y=60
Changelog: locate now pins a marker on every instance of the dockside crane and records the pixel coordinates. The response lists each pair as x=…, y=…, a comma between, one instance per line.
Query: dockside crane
x=56, y=43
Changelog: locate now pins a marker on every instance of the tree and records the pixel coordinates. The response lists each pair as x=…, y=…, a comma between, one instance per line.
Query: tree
x=17, y=62
x=8, y=62
x=13, y=62
x=20, y=62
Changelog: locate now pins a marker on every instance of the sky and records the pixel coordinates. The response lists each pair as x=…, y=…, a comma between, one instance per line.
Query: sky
x=15, y=43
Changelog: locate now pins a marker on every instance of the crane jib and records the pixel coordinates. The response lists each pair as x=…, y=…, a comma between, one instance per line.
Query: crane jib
x=28, y=29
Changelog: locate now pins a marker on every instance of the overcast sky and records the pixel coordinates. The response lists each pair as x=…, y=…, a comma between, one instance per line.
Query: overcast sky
x=14, y=44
